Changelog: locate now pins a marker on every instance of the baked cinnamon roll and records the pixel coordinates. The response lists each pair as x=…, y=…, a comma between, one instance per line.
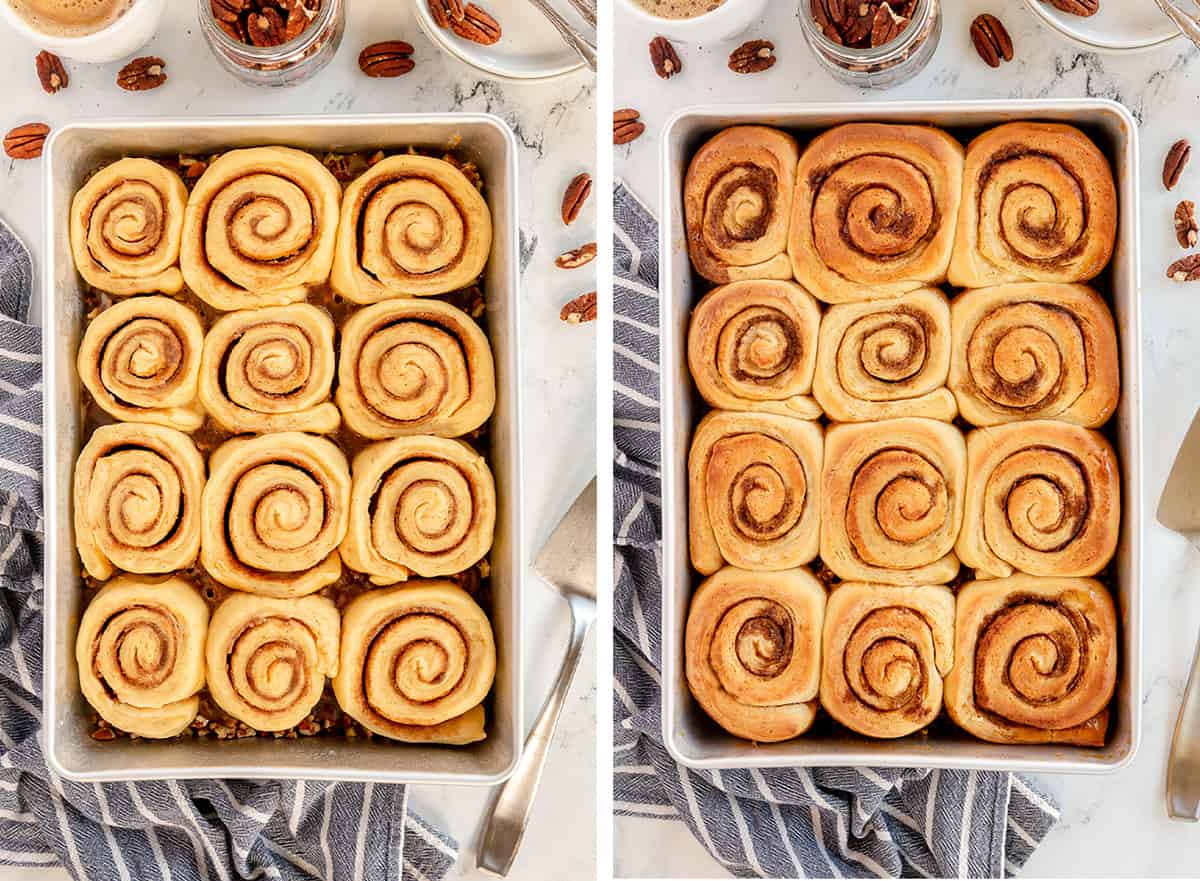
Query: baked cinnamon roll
x=411, y=226
x=126, y=226
x=1039, y=204
x=752, y=345
x=737, y=199
x=754, y=491
x=886, y=651
x=874, y=211
x=259, y=228
x=140, y=360
x=886, y=359
x=1043, y=497
x=752, y=651
x=416, y=663
x=893, y=501
x=420, y=505
x=1034, y=351
x=270, y=370
x=137, y=497
x=140, y=654
x=1035, y=660
x=414, y=367
x=275, y=510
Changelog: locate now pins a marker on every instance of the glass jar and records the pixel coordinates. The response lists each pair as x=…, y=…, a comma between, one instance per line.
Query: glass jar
x=878, y=67
x=288, y=63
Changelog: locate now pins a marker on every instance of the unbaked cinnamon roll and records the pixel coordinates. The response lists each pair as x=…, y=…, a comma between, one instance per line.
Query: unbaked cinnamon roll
x=416, y=663
x=259, y=228
x=140, y=360
x=752, y=345
x=267, y=658
x=874, y=211
x=420, y=505
x=893, y=501
x=752, y=651
x=137, y=498
x=275, y=510
x=1035, y=660
x=737, y=200
x=886, y=651
x=414, y=367
x=270, y=370
x=1039, y=204
x=1034, y=351
x=754, y=491
x=1043, y=497
x=411, y=226
x=126, y=226
x=140, y=654
x=886, y=359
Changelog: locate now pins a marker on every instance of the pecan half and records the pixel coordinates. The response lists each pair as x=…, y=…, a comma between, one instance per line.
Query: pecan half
x=1076, y=7
x=297, y=19
x=227, y=10
x=664, y=58
x=859, y=19
x=51, y=73
x=446, y=11
x=627, y=126
x=752, y=56
x=887, y=25
x=1186, y=229
x=1177, y=159
x=1187, y=269
x=477, y=26
x=386, y=59
x=26, y=141
x=580, y=310
x=581, y=256
x=147, y=72
x=576, y=195
x=267, y=27
x=991, y=40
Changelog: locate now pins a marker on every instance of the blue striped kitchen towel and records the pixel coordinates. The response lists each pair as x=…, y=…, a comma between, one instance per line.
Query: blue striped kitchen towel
x=778, y=823
x=208, y=830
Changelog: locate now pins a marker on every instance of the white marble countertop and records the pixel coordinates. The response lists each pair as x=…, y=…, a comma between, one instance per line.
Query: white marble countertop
x=1111, y=825
x=554, y=125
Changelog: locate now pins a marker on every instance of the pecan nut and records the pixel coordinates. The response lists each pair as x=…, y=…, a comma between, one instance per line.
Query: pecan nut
x=477, y=25
x=26, y=141
x=991, y=39
x=627, y=126
x=576, y=195
x=1187, y=269
x=386, y=59
x=887, y=25
x=1186, y=229
x=446, y=11
x=51, y=73
x=581, y=256
x=227, y=10
x=753, y=56
x=1177, y=159
x=1082, y=8
x=267, y=27
x=580, y=310
x=859, y=19
x=148, y=72
x=664, y=58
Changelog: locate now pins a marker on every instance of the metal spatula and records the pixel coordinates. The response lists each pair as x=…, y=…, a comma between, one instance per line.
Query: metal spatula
x=1179, y=509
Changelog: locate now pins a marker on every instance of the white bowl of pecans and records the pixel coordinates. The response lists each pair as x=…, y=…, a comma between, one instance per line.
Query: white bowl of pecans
x=1108, y=25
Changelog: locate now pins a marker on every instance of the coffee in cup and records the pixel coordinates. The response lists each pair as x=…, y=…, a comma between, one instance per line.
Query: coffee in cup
x=69, y=18
x=679, y=8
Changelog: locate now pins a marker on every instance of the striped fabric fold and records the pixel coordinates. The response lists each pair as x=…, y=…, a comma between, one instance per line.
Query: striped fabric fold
x=206, y=830
x=784, y=822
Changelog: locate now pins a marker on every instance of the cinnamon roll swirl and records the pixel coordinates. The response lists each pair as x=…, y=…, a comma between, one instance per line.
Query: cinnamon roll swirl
x=737, y=199
x=414, y=367
x=752, y=345
x=423, y=505
x=275, y=510
x=1034, y=351
x=140, y=360
x=1035, y=660
x=137, y=494
x=874, y=211
x=270, y=370
x=886, y=359
x=259, y=228
x=1039, y=204
x=267, y=658
x=416, y=663
x=886, y=651
x=411, y=226
x=754, y=491
x=893, y=501
x=126, y=226
x=140, y=654
x=1043, y=497
x=752, y=651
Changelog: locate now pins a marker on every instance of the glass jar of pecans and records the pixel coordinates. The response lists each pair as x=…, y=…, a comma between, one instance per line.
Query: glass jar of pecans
x=273, y=42
x=869, y=44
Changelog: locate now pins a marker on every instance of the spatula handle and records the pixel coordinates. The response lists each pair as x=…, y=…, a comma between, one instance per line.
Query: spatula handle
x=1183, y=768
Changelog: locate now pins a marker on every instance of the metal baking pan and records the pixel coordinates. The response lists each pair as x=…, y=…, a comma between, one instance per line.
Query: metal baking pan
x=693, y=738
x=72, y=153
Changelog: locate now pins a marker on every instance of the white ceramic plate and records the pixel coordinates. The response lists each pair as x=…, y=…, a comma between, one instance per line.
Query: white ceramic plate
x=529, y=47
x=1119, y=26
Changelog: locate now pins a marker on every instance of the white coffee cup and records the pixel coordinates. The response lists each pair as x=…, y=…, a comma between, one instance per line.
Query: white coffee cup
x=120, y=39
x=728, y=20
